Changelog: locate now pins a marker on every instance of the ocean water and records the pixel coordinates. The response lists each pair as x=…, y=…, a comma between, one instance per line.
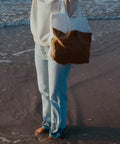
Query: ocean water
x=17, y=12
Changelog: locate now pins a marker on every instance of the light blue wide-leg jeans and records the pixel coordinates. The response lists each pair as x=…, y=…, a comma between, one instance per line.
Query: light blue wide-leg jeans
x=52, y=83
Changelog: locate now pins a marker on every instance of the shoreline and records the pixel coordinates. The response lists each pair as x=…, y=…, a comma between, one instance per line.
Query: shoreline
x=18, y=13
x=27, y=23
x=18, y=40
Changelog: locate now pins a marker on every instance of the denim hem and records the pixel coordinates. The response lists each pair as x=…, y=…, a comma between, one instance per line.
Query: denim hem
x=45, y=127
x=58, y=134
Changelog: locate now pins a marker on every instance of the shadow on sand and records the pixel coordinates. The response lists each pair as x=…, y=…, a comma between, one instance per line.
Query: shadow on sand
x=76, y=133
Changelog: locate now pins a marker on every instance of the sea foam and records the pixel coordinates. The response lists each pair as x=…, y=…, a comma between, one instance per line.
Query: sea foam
x=14, y=12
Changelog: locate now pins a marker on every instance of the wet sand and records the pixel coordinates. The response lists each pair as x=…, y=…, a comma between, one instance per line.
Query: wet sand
x=93, y=90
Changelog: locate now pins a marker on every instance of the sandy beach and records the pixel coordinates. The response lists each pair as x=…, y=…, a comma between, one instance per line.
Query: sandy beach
x=93, y=89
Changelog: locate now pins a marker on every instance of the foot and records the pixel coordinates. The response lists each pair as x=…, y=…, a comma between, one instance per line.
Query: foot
x=40, y=131
x=50, y=138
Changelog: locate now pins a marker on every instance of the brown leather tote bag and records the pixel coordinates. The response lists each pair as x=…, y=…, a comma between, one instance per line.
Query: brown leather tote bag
x=71, y=47
x=70, y=39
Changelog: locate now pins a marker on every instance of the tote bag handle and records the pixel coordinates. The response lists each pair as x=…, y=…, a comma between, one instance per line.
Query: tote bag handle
x=79, y=11
x=62, y=11
x=62, y=6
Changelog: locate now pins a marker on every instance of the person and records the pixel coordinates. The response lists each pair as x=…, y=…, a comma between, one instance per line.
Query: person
x=51, y=76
